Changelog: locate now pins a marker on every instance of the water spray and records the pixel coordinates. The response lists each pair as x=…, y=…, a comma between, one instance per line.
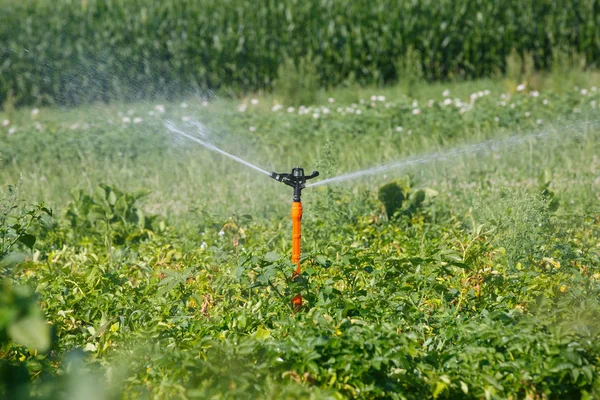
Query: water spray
x=297, y=180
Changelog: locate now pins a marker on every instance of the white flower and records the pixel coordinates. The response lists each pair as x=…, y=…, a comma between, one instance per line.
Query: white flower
x=204, y=103
x=276, y=107
x=430, y=103
x=538, y=121
x=584, y=92
x=521, y=87
x=35, y=112
x=373, y=98
x=325, y=110
x=545, y=102
x=415, y=104
x=5, y=122
x=527, y=114
x=252, y=129
x=185, y=118
x=184, y=105
x=221, y=232
x=358, y=112
x=512, y=105
x=151, y=113
x=12, y=130
x=504, y=96
x=387, y=105
x=339, y=109
x=361, y=101
x=203, y=246
x=534, y=93
x=416, y=111
x=290, y=109
x=74, y=126
x=593, y=104
x=159, y=108
x=380, y=98
x=38, y=126
x=446, y=93
x=137, y=120
x=242, y=107
x=254, y=102
x=480, y=93
x=593, y=88
x=399, y=129
x=447, y=102
x=316, y=115
x=487, y=92
x=496, y=119
x=331, y=100
x=126, y=120
x=373, y=105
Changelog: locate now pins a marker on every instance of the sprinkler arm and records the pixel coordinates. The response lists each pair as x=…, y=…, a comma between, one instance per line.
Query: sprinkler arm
x=296, y=179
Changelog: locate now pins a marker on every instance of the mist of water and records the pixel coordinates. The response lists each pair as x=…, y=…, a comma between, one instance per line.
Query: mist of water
x=173, y=128
x=469, y=149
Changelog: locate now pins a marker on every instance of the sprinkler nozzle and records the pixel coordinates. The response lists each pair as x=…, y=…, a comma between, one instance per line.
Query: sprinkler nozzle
x=296, y=179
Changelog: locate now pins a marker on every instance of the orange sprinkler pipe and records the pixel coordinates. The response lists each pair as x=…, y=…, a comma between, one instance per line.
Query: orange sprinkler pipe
x=297, y=180
x=296, y=238
x=296, y=233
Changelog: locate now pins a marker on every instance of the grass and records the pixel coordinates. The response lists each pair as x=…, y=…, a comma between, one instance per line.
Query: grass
x=483, y=290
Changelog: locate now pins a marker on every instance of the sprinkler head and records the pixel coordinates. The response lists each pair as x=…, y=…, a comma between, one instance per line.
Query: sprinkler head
x=296, y=179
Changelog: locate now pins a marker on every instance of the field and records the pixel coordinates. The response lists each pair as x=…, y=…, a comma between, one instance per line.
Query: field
x=162, y=267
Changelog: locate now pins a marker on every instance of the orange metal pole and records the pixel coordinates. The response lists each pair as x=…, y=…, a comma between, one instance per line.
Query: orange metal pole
x=296, y=237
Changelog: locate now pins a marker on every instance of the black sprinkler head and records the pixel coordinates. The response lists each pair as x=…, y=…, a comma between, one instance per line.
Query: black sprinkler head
x=296, y=179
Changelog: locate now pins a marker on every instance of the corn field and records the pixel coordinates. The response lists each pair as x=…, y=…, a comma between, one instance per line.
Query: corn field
x=67, y=52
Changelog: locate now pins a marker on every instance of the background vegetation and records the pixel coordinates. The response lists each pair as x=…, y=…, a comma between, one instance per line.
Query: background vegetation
x=69, y=52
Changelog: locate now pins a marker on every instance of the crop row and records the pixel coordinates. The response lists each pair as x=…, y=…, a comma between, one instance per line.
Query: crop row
x=72, y=51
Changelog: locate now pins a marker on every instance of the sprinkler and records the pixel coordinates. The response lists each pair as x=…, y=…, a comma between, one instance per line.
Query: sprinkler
x=297, y=180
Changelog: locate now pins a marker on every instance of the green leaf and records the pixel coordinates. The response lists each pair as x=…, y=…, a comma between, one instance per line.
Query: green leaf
x=32, y=332
x=272, y=257
x=27, y=239
x=262, y=334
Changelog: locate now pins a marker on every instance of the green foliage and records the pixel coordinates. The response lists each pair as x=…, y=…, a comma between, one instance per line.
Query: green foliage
x=110, y=213
x=17, y=222
x=93, y=51
x=400, y=200
x=23, y=331
x=567, y=69
x=392, y=196
x=297, y=84
x=409, y=68
x=521, y=222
